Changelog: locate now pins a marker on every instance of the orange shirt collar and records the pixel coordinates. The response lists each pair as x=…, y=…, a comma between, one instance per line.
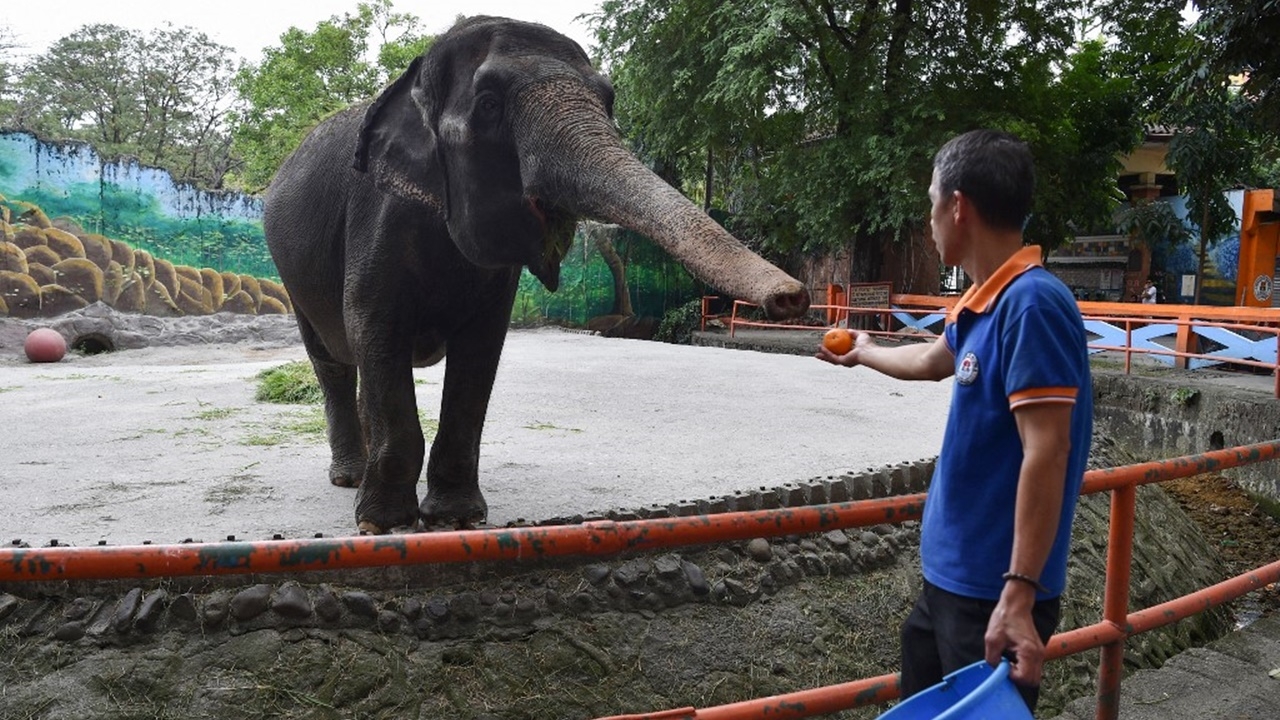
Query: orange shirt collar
x=980, y=298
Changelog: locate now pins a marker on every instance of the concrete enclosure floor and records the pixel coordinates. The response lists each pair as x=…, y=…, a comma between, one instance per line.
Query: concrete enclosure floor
x=167, y=443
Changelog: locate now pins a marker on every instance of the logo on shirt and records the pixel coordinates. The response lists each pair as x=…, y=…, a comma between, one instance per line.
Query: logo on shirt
x=967, y=370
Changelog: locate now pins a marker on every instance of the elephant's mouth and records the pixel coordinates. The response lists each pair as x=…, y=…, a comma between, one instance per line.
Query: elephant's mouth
x=558, y=226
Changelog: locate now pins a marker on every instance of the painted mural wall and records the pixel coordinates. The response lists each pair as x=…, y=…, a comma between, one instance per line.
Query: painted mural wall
x=137, y=205
x=1222, y=261
x=76, y=230
x=221, y=233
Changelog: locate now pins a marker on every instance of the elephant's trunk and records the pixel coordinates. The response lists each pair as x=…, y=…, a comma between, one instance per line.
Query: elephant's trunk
x=572, y=157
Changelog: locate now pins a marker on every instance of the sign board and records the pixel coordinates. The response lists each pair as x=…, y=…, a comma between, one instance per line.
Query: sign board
x=869, y=295
x=866, y=295
x=1188, y=289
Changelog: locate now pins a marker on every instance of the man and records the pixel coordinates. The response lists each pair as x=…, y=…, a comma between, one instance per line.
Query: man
x=1149, y=293
x=997, y=521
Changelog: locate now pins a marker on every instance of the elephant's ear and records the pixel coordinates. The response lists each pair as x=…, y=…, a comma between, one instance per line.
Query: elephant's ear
x=397, y=144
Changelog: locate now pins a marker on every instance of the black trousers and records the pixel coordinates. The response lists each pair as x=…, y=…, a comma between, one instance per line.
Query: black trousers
x=946, y=632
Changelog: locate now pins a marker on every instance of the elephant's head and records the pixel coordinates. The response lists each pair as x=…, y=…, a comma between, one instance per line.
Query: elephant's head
x=505, y=129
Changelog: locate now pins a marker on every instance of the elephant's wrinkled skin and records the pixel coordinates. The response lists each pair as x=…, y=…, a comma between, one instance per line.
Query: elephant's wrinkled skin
x=400, y=228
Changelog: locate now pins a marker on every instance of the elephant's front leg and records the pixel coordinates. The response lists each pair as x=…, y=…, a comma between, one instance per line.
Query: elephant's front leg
x=388, y=497
x=453, y=484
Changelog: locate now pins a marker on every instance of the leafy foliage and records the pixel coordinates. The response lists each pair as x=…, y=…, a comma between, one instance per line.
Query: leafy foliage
x=162, y=98
x=1152, y=222
x=1237, y=37
x=311, y=75
x=8, y=70
x=1218, y=144
x=819, y=117
x=677, y=326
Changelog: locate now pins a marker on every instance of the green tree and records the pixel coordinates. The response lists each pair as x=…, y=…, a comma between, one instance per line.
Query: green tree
x=819, y=118
x=161, y=98
x=8, y=70
x=1226, y=126
x=1211, y=152
x=1238, y=37
x=311, y=75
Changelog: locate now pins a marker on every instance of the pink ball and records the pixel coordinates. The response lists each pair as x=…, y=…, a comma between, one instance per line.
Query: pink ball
x=45, y=345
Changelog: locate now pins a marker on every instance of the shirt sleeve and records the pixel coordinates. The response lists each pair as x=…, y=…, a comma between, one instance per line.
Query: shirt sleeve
x=1042, y=353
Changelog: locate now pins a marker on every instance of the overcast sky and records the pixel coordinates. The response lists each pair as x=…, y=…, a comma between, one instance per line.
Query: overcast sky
x=250, y=25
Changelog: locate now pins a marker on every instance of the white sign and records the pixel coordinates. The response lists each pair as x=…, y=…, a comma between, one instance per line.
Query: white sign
x=1188, y=286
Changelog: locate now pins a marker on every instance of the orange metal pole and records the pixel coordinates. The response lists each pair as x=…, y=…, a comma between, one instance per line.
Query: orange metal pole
x=1180, y=467
x=1081, y=639
x=593, y=538
x=1128, y=345
x=1197, y=602
x=67, y=563
x=1115, y=604
x=811, y=703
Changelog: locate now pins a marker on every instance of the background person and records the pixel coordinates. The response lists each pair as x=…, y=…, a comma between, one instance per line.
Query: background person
x=997, y=521
x=1149, y=293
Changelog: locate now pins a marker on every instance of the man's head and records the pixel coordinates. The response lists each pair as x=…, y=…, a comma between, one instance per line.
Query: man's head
x=993, y=170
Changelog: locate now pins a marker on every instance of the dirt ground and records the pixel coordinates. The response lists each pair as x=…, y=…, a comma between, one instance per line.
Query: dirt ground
x=1246, y=535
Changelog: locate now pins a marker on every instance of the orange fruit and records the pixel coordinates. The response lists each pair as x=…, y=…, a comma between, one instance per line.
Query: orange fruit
x=838, y=341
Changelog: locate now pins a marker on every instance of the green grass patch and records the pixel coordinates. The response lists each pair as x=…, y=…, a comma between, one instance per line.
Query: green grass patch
x=308, y=422
x=430, y=426
x=9, y=388
x=265, y=440
x=216, y=413
x=289, y=384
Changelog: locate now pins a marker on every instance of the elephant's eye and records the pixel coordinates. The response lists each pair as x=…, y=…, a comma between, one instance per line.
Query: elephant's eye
x=487, y=108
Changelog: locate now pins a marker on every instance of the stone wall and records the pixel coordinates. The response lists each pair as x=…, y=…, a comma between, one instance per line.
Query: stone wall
x=1171, y=415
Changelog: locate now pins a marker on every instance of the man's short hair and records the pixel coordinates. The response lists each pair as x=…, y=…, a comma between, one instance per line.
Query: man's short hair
x=995, y=172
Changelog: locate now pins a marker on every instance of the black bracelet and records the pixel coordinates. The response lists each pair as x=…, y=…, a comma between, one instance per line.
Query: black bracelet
x=1026, y=579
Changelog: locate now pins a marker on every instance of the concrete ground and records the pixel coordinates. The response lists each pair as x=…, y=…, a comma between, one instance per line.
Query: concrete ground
x=1235, y=678
x=167, y=443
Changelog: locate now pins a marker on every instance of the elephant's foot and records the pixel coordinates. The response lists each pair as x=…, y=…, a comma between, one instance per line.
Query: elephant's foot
x=385, y=511
x=453, y=509
x=348, y=475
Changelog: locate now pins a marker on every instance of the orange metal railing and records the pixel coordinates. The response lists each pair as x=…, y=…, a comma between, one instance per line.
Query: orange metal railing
x=608, y=537
x=1117, y=625
x=1186, y=319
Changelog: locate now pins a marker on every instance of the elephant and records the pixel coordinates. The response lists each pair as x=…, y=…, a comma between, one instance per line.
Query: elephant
x=400, y=227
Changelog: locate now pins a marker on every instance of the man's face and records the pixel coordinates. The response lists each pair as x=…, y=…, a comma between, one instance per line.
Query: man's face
x=942, y=222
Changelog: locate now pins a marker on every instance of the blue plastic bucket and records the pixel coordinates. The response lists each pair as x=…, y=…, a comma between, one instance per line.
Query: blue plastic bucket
x=976, y=692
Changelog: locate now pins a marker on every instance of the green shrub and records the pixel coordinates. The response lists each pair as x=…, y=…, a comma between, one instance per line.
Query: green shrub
x=289, y=384
x=677, y=325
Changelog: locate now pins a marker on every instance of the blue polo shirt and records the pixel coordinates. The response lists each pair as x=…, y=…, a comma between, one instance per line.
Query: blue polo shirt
x=1017, y=339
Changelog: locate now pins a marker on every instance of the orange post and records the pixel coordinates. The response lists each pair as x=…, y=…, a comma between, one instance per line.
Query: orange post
x=1115, y=604
x=836, y=297
x=1258, y=245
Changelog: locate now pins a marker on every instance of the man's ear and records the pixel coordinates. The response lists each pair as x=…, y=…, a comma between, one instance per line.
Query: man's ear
x=961, y=209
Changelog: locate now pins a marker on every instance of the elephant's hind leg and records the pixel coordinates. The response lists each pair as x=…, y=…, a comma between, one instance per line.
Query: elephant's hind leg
x=346, y=435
